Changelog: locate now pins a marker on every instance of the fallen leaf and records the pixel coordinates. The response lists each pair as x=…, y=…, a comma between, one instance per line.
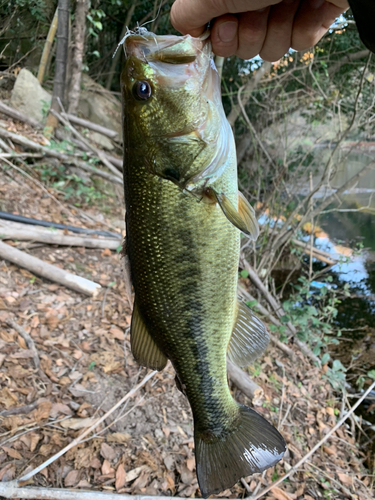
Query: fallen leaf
x=107, y=452
x=190, y=464
x=24, y=354
x=83, y=484
x=170, y=482
x=8, y=472
x=117, y=333
x=43, y=411
x=72, y=478
x=134, y=473
x=34, y=440
x=282, y=495
x=60, y=408
x=142, y=480
x=106, y=252
x=106, y=468
x=52, y=322
x=118, y=437
x=7, y=398
x=21, y=342
x=345, y=479
x=120, y=477
x=78, y=423
x=12, y=453
x=330, y=450
x=187, y=476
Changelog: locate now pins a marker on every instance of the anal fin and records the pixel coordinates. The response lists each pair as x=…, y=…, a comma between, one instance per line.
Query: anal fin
x=143, y=346
x=249, y=337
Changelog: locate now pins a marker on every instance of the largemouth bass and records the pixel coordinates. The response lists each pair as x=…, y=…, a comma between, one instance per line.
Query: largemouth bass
x=183, y=215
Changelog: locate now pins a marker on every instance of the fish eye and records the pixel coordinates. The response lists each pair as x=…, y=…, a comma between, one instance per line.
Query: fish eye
x=142, y=90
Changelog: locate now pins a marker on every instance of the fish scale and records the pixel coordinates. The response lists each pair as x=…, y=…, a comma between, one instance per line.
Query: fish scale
x=183, y=212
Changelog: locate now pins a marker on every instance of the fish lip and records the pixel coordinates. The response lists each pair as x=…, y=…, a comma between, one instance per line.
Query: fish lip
x=148, y=46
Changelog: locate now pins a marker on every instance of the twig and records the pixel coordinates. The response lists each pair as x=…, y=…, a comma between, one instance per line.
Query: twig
x=65, y=158
x=341, y=486
x=76, y=441
x=279, y=311
x=112, y=134
x=316, y=447
x=99, y=153
x=29, y=341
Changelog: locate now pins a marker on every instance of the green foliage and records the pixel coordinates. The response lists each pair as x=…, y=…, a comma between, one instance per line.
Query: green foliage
x=336, y=375
x=71, y=185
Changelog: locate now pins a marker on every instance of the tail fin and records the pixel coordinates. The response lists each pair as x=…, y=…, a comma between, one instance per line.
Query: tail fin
x=252, y=446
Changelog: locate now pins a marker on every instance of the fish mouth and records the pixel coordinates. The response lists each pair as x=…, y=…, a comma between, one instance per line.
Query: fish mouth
x=169, y=49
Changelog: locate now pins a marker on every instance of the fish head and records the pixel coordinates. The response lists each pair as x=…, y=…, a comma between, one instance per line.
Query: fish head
x=172, y=104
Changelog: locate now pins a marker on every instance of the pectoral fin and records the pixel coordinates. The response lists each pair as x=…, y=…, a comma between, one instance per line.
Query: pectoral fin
x=249, y=337
x=247, y=213
x=244, y=219
x=144, y=348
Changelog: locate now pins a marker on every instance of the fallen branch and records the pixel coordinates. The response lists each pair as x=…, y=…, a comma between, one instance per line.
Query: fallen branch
x=26, y=337
x=317, y=254
x=17, y=115
x=112, y=134
x=48, y=271
x=95, y=150
x=316, y=447
x=252, y=390
x=57, y=238
x=69, y=159
x=279, y=311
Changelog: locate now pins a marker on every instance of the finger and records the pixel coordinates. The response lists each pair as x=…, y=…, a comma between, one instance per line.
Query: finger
x=191, y=16
x=224, y=35
x=279, y=30
x=312, y=21
x=252, y=31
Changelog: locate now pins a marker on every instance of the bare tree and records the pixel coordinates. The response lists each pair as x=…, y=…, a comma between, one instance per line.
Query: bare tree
x=79, y=32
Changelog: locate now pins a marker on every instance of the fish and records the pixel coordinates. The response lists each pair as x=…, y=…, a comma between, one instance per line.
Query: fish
x=184, y=217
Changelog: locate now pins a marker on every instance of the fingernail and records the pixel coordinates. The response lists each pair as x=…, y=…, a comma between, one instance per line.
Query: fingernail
x=227, y=31
x=316, y=4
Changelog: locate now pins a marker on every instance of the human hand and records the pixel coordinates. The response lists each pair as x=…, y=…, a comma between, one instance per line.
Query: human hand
x=247, y=28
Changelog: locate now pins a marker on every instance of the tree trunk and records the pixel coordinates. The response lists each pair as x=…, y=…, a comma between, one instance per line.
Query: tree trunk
x=79, y=32
x=60, y=62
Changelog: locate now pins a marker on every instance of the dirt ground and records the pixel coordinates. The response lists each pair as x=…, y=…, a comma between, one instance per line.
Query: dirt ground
x=145, y=447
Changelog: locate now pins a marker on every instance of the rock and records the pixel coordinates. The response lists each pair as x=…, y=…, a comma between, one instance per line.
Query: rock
x=29, y=97
x=101, y=140
x=98, y=105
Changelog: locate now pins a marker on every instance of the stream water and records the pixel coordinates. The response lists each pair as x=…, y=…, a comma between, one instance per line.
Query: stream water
x=344, y=229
